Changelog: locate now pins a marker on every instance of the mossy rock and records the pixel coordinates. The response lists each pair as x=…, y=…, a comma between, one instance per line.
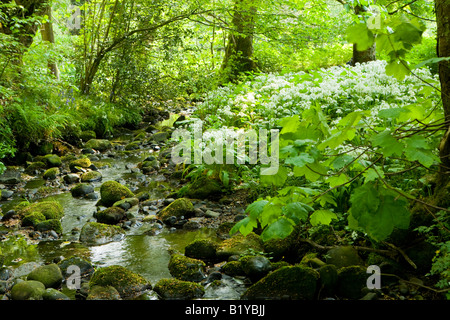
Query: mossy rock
x=82, y=163
x=175, y=289
x=103, y=293
x=32, y=219
x=311, y=260
x=35, y=166
x=239, y=245
x=50, y=275
x=52, y=160
x=328, y=280
x=50, y=224
x=28, y=290
x=295, y=283
x=178, y=208
x=186, y=269
x=203, y=249
x=111, y=215
x=160, y=136
x=86, y=268
x=343, y=256
x=98, y=144
x=255, y=267
x=95, y=233
x=53, y=294
x=81, y=190
x=91, y=176
x=135, y=145
x=50, y=209
x=203, y=188
x=51, y=174
x=126, y=282
x=113, y=191
x=351, y=280
x=126, y=203
x=233, y=269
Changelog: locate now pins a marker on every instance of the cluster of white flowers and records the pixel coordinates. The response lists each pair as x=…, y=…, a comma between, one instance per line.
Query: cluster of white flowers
x=338, y=90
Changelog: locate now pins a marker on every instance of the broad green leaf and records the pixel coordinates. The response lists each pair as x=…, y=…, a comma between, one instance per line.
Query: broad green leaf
x=271, y=212
x=388, y=144
x=361, y=36
x=279, y=229
x=418, y=149
x=377, y=211
x=431, y=61
x=300, y=160
x=244, y=226
x=322, y=217
x=277, y=179
x=312, y=171
x=397, y=69
x=337, y=180
x=255, y=209
x=290, y=124
x=297, y=211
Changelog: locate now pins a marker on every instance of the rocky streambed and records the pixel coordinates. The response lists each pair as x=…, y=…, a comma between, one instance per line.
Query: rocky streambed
x=111, y=220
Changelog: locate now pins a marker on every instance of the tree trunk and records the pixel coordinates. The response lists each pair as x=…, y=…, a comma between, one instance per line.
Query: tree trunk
x=443, y=50
x=47, y=35
x=366, y=55
x=239, y=51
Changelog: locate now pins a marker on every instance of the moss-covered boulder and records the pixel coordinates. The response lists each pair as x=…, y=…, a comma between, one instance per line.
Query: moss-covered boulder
x=50, y=224
x=203, y=188
x=203, y=249
x=91, y=176
x=50, y=209
x=28, y=290
x=175, y=289
x=112, y=215
x=103, y=293
x=328, y=280
x=98, y=144
x=126, y=282
x=52, y=160
x=66, y=265
x=50, y=275
x=255, y=267
x=34, y=167
x=32, y=219
x=187, y=269
x=295, y=283
x=178, y=208
x=233, y=269
x=351, y=280
x=53, y=294
x=126, y=203
x=113, y=191
x=239, y=245
x=51, y=174
x=82, y=163
x=82, y=189
x=343, y=256
x=94, y=233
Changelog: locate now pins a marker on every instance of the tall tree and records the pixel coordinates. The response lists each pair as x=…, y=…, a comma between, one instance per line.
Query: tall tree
x=239, y=50
x=442, y=8
x=48, y=36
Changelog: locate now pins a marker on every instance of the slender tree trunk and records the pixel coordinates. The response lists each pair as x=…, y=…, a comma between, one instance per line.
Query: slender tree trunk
x=47, y=35
x=443, y=50
x=366, y=55
x=239, y=51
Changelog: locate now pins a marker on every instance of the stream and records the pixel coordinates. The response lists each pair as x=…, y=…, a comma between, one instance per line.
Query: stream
x=139, y=252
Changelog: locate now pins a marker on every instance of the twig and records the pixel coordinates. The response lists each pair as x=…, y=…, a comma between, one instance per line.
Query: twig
x=415, y=284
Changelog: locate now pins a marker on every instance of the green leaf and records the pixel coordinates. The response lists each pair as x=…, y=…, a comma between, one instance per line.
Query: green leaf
x=431, y=61
x=244, y=226
x=322, y=217
x=361, y=36
x=297, y=211
x=271, y=212
x=279, y=229
x=337, y=180
x=277, y=179
x=255, y=209
x=388, y=144
x=377, y=211
x=290, y=124
x=397, y=69
x=300, y=160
